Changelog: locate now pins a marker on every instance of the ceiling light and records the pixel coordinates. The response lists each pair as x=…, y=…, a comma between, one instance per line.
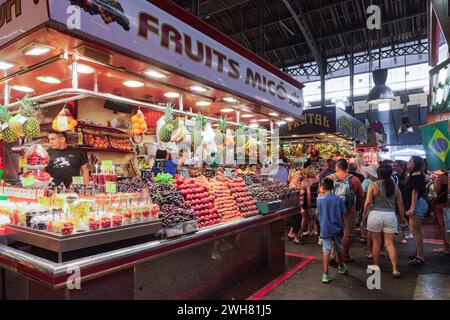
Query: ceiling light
x=274, y=114
x=50, y=80
x=280, y=123
x=254, y=125
x=263, y=120
x=247, y=116
x=198, y=88
x=253, y=120
x=381, y=93
x=154, y=74
x=289, y=119
x=171, y=95
x=84, y=69
x=22, y=88
x=203, y=103
x=226, y=110
x=36, y=49
x=5, y=65
x=229, y=99
x=133, y=84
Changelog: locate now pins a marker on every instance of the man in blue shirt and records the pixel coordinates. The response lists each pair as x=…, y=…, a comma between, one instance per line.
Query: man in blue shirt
x=282, y=174
x=331, y=208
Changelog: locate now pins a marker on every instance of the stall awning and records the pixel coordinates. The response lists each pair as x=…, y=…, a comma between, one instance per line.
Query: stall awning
x=163, y=34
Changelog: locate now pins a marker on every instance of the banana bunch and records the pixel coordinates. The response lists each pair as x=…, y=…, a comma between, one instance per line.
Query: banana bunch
x=180, y=133
x=16, y=125
x=250, y=144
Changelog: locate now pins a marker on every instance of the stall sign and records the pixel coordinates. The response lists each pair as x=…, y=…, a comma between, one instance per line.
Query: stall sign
x=350, y=126
x=111, y=187
x=77, y=180
x=107, y=165
x=164, y=34
x=20, y=16
x=312, y=121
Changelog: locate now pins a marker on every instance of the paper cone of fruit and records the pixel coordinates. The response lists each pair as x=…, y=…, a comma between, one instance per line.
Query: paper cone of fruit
x=138, y=124
x=64, y=121
x=7, y=134
x=165, y=131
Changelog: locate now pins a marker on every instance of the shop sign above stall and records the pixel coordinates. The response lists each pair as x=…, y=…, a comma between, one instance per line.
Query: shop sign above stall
x=312, y=121
x=20, y=16
x=167, y=35
x=350, y=126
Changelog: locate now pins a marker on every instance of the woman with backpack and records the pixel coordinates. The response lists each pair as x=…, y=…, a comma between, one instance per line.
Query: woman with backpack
x=383, y=199
x=416, y=205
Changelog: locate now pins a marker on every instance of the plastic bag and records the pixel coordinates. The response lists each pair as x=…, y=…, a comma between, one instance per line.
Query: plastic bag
x=138, y=124
x=64, y=121
x=209, y=145
x=36, y=155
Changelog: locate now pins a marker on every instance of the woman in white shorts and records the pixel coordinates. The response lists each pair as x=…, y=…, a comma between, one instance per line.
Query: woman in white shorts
x=383, y=197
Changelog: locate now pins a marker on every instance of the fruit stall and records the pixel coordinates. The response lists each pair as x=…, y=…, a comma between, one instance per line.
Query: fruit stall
x=116, y=88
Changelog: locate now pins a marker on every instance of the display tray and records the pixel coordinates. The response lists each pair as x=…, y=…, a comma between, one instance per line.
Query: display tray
x=268, y=207
x=80, y=240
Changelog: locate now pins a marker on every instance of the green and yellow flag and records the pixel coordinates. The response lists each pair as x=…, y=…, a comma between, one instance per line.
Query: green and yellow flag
x=436, y=142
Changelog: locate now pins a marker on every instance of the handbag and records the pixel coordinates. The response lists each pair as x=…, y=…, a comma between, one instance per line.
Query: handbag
x=421, y=209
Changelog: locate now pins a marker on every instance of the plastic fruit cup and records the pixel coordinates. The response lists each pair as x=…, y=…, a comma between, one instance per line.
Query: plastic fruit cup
x=117, y=220
x=101, y=179
x=137, y=214
x=126, y=218
x=145, y=213
x=106, y=222
x=94, y=224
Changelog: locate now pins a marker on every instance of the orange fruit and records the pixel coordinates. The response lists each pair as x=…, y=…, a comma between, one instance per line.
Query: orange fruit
x=137, y=131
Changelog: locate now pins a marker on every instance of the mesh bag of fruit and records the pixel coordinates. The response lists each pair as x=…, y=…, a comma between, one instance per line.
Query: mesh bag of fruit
x=36, y=155
x=64, y=121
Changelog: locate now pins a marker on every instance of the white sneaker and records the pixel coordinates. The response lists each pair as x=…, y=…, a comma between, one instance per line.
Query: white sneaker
x=320, y=242
x=306, y=233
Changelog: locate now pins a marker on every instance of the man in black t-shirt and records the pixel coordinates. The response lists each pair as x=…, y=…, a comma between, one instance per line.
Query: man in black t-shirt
x=65, y=163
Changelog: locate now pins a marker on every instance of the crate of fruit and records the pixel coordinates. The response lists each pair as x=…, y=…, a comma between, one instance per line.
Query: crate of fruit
x=120, y=143
x=190, y=226
x=268, y=207
x=96, y=141
x=175, y=231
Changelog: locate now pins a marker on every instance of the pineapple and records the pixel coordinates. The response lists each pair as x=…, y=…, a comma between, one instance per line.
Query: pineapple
x=220, y=131
x=165, y=134
x=240, y=135
x=31, y=127
x=198, y=129
x=7, y=134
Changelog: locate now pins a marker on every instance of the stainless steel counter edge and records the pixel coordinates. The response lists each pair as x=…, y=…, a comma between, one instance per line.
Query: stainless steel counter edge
x=12, y=258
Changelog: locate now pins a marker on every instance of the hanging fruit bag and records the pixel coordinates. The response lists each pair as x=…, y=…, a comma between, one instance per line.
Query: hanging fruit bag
x=64, y=121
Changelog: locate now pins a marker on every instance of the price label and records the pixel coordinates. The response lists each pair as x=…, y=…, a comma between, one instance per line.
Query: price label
x=184, y=172
x=107, y=165
x=59, y=203
x=77, y=180
x=22, y=163
x=248, y=180
x=26, y=182
x=228, y=172
x=111, y=187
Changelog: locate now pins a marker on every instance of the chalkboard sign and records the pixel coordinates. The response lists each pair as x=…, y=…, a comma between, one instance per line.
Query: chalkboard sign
x=184, y=172
x=146, y=174
x=160, y=166
x=248, y=180
x=209, y=173
x=228, y=172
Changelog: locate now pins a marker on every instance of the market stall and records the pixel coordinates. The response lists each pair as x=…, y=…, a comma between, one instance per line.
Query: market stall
x=126, y=77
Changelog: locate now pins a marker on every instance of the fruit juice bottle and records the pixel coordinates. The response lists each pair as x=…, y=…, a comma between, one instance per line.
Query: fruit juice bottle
x=137, y=214
x=57, y=226
x=126, y=216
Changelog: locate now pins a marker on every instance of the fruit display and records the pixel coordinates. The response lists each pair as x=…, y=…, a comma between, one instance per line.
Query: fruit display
x=198, y=197
x=138, y=124
x=164, y=178
x=143, y=164
x=240, y=135
x=165, y=132
x=261, y=194
x=243, y=198
x=96, y=141
x=64, y=121
x=36, y=155
x=120, y=143
x=7, y=134
x=199, y=126
x=224, y=200
x=41, y=178
x=172, y=215
x=109, y=10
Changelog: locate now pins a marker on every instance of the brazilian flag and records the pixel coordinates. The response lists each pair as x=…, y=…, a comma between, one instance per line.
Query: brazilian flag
x=436, y=142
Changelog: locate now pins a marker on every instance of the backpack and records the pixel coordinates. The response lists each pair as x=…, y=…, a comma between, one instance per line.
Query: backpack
x=343, y=189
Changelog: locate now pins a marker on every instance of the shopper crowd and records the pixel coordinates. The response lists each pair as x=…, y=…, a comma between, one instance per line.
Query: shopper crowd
x=384, y=200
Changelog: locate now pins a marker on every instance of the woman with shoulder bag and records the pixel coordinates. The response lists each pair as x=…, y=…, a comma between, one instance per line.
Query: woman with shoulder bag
x=383, y=198
x=416, y=205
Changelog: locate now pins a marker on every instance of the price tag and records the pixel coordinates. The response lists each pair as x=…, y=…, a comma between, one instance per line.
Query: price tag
x=77, y=180
x=22, y=120
x=228, y=172
x=22, y=163
x=46, y=201
x=4, y=126
x=111, y=187
x=107, y=165
x=248, y=180
x=41, y=200
x=59, y=203
x=26, y=182
x=184, y=172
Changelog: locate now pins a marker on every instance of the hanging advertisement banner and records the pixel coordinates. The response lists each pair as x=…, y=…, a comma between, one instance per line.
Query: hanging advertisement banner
x=20, y=16
x=164, y=34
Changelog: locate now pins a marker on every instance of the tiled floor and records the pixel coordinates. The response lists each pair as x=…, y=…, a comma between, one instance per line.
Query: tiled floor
x=431, y=281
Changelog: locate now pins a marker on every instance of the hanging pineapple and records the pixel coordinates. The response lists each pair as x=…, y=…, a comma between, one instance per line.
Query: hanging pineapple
x=199, y=125
x=6, y=132
x=240, y=135
x=220, y=131
x=28, y=112
x=165, y=133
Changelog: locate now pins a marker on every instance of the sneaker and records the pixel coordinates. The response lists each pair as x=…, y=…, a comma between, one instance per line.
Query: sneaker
x=342, y=269
x=306, y=233
x=326, y=278
x=320, y=242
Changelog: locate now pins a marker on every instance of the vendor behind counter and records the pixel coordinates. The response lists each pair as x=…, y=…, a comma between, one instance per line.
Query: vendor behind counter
x=163, y=164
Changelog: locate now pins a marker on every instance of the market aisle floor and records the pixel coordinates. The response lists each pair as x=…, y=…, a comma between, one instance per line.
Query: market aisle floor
x=428, y=282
